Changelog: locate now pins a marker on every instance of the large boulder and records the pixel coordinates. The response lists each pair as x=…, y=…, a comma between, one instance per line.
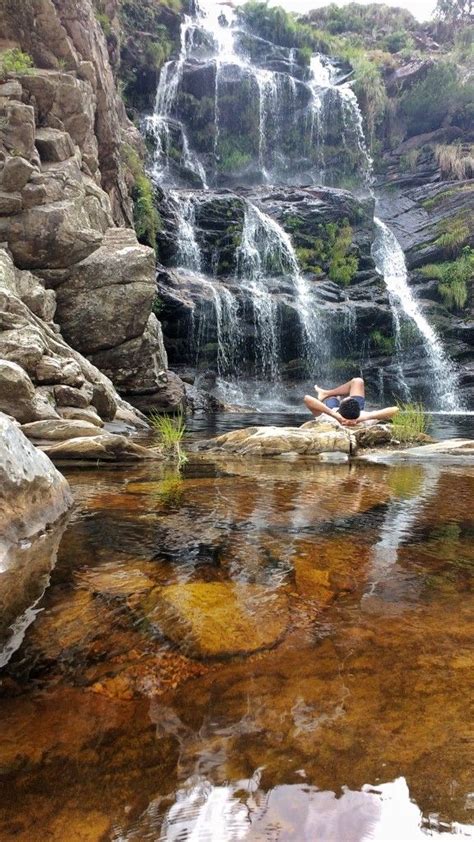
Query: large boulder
x=218, y=619
x=276, y=441
x=111, y=292
x=17, y=392
x=33, y=493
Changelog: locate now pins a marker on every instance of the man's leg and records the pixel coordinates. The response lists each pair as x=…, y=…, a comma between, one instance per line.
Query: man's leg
x=353, y=388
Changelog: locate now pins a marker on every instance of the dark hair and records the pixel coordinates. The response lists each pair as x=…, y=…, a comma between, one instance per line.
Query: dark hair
x=349, y=408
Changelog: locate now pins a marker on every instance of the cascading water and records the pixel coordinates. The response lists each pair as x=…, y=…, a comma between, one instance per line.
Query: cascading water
x=388, y=254
x=390, y=262
x=303, y=115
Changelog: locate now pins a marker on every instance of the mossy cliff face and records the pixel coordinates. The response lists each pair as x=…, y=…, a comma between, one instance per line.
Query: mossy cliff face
x=66, y=211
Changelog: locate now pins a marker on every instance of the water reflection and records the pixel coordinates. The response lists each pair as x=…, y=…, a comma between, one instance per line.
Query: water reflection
x=292, y=813
x=347, y=589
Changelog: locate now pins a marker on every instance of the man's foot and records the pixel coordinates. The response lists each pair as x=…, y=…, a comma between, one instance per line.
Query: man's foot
x=321, y=393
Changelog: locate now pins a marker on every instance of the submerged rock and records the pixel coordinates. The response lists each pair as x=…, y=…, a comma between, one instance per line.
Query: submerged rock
x=218, y=619
x=457, y=450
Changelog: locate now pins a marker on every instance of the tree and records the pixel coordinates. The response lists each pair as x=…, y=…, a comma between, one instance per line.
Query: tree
x=455, y=11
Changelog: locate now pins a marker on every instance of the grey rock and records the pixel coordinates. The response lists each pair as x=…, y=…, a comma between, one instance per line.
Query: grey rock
x=16, y=392
x=54, y=145
x=10, y=203
x=70, y=396
x=59, y=430
x=104, y=400
x=32, y=492
x=106, y=447
x=76, y=413
x=16, y=173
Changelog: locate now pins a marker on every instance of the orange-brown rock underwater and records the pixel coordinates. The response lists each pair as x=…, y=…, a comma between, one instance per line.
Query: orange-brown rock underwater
x=248, y=651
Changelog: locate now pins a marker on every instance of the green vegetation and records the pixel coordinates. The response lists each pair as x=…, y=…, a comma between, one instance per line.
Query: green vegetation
x=233, y=153
x=443, y=195
x=105, y=23
x=15, y=61
x=382, y=343
x=277, y=25
x=454, y=278
x=398, y=40
x=454, y=232
x=426, y=105
x=146, y=37
x=170, y=432
x=372, y=21
x=157, y=306
x=410, y=422
x=409, y=334
x=146, y=218
x=329, y=250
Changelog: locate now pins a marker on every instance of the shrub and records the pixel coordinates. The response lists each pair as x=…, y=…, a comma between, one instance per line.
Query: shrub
x=409, y=422
x=372, y=20
x=454, y=278
x=15, y=61
x=145, y=216
x=399, y=40
x=368, y=86
x=425, y=105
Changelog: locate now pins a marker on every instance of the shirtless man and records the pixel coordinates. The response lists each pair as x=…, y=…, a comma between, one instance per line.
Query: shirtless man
x=346, y=404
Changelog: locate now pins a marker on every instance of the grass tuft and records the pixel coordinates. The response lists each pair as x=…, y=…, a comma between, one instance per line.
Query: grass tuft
x=410, y=422
x=170, y=430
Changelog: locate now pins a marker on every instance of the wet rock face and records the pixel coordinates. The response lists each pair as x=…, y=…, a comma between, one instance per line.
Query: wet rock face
x=424, y=216
x=231, y=239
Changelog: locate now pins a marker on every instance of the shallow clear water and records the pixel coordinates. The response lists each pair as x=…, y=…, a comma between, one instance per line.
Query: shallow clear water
x=321, y=694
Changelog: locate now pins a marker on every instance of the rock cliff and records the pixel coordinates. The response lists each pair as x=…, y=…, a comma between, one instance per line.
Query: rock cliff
x=66, y=214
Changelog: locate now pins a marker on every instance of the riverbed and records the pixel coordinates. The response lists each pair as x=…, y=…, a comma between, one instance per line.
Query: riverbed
x=324, y=696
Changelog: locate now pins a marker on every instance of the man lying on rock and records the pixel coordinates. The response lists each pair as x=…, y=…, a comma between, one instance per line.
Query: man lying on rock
x=346, y=404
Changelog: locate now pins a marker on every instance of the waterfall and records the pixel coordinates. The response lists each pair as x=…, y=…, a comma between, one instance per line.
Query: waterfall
x=158, y=124
x=293, y=122
x=188, y=253
x=390, y=262
x=389, y=256
x=267, y=250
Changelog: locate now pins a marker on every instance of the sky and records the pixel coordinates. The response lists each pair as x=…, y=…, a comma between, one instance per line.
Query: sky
x=421, y=9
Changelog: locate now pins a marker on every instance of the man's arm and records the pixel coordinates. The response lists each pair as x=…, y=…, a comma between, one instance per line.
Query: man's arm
x=318, y=407
x=380, y=414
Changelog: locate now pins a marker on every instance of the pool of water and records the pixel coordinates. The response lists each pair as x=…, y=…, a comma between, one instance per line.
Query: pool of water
x=259, y=651
x=440, y=425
